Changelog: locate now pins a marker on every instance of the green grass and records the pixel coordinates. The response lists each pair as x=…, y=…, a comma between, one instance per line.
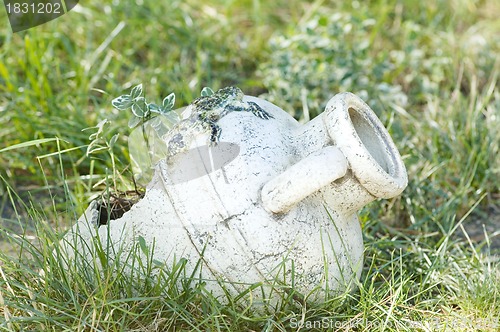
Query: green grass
x=430, y=71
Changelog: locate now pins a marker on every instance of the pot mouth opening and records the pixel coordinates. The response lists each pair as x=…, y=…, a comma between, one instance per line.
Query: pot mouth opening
x=368, y=147
x=387, y=177
x=372, y=139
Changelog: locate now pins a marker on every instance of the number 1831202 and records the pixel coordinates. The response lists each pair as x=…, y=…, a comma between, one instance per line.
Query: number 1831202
x=34, y=8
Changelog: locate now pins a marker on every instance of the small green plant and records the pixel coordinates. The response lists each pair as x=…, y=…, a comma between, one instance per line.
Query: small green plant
x=146, y=144
x=153, y=120
x=142, y=110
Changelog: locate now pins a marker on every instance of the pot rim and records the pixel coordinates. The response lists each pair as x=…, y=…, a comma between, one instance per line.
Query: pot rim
x=372, y=155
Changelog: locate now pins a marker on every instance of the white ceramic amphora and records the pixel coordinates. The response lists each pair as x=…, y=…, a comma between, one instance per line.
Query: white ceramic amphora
x=280, y=209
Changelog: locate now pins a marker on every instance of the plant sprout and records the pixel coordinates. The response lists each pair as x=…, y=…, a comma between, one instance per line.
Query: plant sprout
x=142, y=110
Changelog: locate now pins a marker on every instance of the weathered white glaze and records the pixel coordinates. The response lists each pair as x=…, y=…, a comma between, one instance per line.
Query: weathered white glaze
x=286, y=205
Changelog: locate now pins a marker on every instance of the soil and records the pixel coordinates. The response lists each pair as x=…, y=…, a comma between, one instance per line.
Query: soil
x=483, y=229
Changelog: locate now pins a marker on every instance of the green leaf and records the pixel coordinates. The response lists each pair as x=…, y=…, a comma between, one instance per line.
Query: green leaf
x=154, y=108
x=158, y=263
x=142, y=245
x=134, y=121
x=140, y=107
x=122, y=103
x=206, y=91
x=168, y=103
x=113, y=140
x=136, y=92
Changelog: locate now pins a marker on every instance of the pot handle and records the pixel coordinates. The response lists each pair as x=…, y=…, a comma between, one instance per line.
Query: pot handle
x=307, y=176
